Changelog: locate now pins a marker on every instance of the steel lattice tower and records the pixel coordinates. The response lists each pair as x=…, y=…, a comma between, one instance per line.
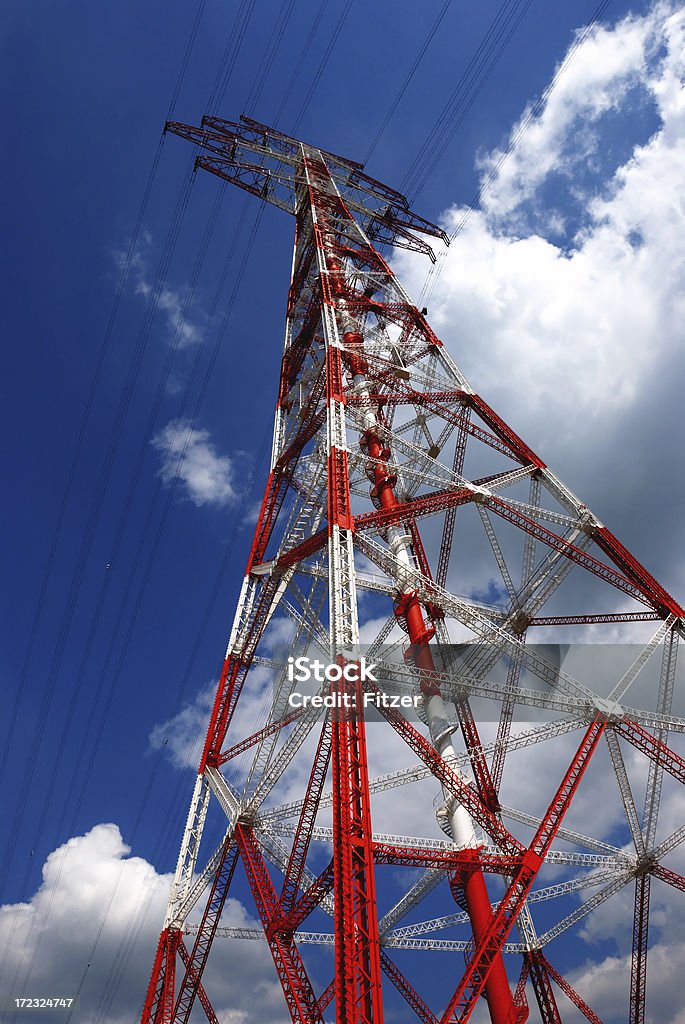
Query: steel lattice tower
x=377, y=429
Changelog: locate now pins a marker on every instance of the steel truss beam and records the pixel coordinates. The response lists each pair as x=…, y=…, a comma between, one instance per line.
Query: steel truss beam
x=655, y=749
x=542, y=986
x=159, y=1001
x=669, y=876
x=407, y=991
x=638, y=959
x=569, y=991
x=297, y=989
x=357, y=948
x=197, y=958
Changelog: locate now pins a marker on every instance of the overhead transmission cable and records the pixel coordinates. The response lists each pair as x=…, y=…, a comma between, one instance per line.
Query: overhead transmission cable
x=531, y=114
x=236, y=36
x=322, y=65
x=410, y=74
x=202, y=393
x=277, y=36
x=221, y=82
x=91, y=524
x=503, y=38
x=81, y=771
x=299, y=62
x=85, y=418
x=127, y=504
x=186, y=58
x=469, y=85
x=63, y=745
x=177, y=703
x=178, y=802
x=49, y=693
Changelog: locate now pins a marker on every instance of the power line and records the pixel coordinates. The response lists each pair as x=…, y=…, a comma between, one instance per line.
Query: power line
x=186, y=58
x=155, y=292
x=269, y=56
x=85, y=418
x=124, y=950
x=92, y=521
x=531, y=114
x=75, y=459
x=143, y=448
x=228, y=61
x=84, y=771
x=62, y=745
x=468, y=86
x=324, y=61
x=410, y=74
x=299, y=62
x=502, y=40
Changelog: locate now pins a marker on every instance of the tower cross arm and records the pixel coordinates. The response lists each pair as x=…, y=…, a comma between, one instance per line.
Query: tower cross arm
x=268, y=164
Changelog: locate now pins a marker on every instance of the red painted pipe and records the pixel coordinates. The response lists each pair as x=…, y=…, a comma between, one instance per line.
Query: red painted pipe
x=497, y=992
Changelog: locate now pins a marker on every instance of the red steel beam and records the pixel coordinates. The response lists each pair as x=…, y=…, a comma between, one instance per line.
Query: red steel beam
x=449, y=860
x=520, y=449
x=407, y=396
x=327, y=997
x=484, y=782
x=670, y=877
x=569, y=991
x=357, y=945
x=542, y=986
x=305, y=549
x=201, y=994
x=305, y=824
x=257, y=737
x=655, y=749
x=520, y=1000
x=407, y=991
x=299, y=995
x=158, y=1007
x=233, y=673
x=425, y=505
x=644, y=581
x=444, y=412
x=301, y=910
x=206, y=932
x=577, y=555
x=462, y=1003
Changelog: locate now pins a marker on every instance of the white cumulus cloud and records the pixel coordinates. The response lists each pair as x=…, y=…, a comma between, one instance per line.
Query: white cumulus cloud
x=189, y=454
x=599, y=71
x=577, y=342
x=92, y=927
x=174, y=305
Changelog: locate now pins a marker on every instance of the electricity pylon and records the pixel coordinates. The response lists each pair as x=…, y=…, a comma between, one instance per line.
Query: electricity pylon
x=375, y=430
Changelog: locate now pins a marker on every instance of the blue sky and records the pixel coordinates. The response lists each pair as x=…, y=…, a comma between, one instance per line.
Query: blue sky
x=561, y=298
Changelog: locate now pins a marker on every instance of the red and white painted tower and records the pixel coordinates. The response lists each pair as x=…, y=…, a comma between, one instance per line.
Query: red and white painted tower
x=377, y=430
